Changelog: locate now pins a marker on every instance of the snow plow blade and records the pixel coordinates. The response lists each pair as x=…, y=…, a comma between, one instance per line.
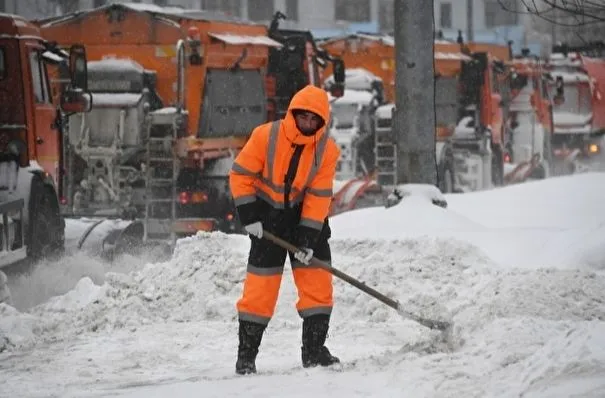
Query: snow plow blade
x=111, y=238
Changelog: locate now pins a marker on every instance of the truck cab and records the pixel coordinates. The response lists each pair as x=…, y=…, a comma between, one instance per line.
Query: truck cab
x=352, y=124
x=296, y=64
x=39, y=85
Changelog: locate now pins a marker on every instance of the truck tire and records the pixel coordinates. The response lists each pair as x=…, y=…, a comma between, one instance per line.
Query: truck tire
x=45, y=232
x=497, y=167
x=446, y=178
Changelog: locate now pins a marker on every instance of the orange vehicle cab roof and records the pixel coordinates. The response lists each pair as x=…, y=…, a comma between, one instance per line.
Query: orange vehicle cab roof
x=220, y=26
x=448, y=56
x=17, y=26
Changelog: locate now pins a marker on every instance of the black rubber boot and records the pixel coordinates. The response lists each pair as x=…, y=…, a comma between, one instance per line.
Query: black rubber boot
x=250, y=336
x=314, y=333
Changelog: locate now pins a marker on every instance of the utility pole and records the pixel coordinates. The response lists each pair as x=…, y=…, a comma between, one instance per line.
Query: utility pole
x=414, y=118
x=469, y=21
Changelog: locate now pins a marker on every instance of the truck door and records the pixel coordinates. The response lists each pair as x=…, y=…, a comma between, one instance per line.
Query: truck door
x=45, y=132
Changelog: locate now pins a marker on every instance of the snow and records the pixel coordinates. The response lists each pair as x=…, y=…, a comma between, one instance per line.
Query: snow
x=452, y=56
x=570, y=77
x=520, y=270
x=116, y=100
x=352, y=97
x=52, y=57
x=112, y=64
x=244, y=40
x=385, y=111
x=154, y=8
x=357, y=80
x=573, y=122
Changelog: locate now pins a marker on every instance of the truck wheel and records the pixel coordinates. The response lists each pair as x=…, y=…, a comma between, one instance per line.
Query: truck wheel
x=446, y=181
x=46, y=236
x=497, y=167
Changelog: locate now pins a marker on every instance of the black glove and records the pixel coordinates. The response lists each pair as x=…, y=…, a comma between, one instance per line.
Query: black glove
x=306, y=237
x=248, y=213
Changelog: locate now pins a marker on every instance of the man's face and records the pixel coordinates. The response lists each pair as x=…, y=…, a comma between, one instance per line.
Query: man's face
x=307, y=122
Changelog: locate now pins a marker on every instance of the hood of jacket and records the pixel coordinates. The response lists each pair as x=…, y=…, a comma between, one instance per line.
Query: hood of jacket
x=313, y=99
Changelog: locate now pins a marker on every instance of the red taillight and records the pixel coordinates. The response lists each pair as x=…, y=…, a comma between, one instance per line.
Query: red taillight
x=184, y=198
x=63, y=200
x=507, y=158
x=229, y=217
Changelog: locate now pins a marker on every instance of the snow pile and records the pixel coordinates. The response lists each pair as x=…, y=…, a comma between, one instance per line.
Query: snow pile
x=53, y=278
x=412, y=217
x=84, y=293
x=202, y=281
x=462, y=279
x=556, y=222
x=15, y=328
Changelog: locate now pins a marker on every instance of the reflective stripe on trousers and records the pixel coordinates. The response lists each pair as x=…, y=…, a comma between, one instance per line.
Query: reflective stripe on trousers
x=262, y=284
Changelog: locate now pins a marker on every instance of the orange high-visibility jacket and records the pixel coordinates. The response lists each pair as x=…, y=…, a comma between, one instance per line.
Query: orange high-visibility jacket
x=259, y=170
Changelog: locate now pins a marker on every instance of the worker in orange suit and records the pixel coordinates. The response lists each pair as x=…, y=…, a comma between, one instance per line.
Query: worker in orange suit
x=281, y=181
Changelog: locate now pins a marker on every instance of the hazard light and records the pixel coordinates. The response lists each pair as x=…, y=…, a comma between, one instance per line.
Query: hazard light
x=192, y=197
x=593, y=149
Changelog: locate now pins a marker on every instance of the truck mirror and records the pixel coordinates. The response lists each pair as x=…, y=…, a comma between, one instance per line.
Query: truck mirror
x=337, y=88
x=560, y=86
x=77, y=67
x=76, y=101
x=339, y=71
x=559, y=91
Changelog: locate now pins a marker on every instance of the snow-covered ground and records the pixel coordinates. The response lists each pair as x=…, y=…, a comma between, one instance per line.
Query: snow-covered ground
x=521, y=270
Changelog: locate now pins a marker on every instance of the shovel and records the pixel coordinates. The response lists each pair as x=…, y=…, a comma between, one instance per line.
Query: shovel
x=429, y=323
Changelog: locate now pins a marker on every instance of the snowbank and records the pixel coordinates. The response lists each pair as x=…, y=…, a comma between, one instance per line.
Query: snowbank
x=556, y=222
x=196, y=284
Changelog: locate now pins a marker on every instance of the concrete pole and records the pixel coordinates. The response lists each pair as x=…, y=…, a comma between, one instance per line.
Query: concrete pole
x=414, y=118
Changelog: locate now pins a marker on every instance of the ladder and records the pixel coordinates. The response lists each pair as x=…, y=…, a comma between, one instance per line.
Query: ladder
x=161, y=167
x=386, y=157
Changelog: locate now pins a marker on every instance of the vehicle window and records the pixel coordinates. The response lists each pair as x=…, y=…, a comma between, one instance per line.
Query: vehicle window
x=39, y=79
x=2, y=63
x=234, y=103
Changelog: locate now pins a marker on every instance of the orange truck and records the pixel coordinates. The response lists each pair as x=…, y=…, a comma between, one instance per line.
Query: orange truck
x=175, y=95
x=200, y=78
x=296, y=63
x=32, y=115
x=470, y=102
x=530, y=117
x=579, y=118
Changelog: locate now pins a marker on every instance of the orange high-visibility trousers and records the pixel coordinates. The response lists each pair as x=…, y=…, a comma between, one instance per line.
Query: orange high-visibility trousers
x=263, y=280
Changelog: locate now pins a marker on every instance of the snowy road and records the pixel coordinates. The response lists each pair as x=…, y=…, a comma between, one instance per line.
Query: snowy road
x=524, y=279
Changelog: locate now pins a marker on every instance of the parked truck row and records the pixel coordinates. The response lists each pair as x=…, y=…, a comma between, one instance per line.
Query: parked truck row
x=500, y=118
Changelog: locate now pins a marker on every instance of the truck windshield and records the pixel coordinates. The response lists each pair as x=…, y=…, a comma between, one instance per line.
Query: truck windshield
x=2, y=64
x=234, y=103
x=577, y=99
x=344, y=115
